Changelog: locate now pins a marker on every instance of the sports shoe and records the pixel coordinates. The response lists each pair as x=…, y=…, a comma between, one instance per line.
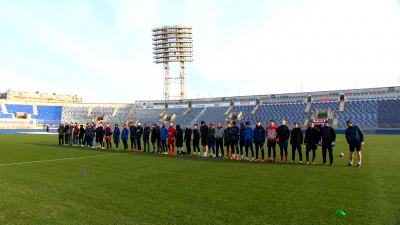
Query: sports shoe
x=177, y=154
x=324, y=164
x=292, y=161
x=282, y=161
x=262, y=160
x=307, y=162
x=181, y=154
x=251, y=160
x=116, y=149
x=331, y=164
x=237, y=158
x=274, y=160
x=301, y=162
x=350, y=164
x=131, y=150
x=358, y=165
x=287, y=161
x=312, y=163
x=198, y=155
x=256, y=160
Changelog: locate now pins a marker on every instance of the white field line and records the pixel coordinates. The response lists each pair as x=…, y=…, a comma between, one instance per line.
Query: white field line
x=53, y=160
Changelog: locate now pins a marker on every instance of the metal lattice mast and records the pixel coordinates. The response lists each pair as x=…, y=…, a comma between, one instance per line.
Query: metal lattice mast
x=173, y=44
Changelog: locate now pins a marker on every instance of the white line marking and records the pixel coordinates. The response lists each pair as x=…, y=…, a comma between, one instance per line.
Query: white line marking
x=52, y=160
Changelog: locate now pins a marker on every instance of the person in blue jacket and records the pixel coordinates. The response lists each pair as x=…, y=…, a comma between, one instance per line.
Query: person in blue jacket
x=132, y=130
x=163, y=139
x=116, y=134
x=234, y=133
x=248, y=140
x=355, y=139
x=124, y=137
x=242, y=142
x=259, y=139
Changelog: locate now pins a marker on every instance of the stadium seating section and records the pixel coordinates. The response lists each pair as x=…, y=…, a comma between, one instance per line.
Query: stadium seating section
x=4, y=116
x=50, y=114
x=364, y=113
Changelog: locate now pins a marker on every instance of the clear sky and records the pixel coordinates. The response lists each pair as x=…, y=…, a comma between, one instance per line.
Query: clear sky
x=102, y=50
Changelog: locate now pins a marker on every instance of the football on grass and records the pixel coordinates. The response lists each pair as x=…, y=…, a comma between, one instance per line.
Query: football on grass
x=341, y=154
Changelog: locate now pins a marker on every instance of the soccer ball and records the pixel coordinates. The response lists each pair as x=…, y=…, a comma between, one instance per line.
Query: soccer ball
x=341, y=154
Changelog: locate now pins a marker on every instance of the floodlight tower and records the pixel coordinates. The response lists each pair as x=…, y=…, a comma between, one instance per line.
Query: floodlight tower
x=173, y=44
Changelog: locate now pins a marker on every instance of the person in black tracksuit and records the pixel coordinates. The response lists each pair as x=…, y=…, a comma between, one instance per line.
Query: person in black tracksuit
x=188, y=139
x=66, y=128
x=146, y=135
x=153, y=138
x=139, y=132
x=196, y=140
x=296, y=140
x=204, y=133
x=328, y=137
x=81, y=136
x=132, y=132
x=283, y=135
x=178, y=136
x=311, y=141
x=158, y=138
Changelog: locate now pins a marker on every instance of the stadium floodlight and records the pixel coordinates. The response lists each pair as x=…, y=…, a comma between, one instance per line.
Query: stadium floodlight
x=173, y=44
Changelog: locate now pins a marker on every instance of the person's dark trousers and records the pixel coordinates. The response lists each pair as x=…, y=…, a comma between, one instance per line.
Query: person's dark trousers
x=66, y=139
x=81, y=140
x=164, y=145
x=298, y=148
x=327, y=146
x=139, y=145
x=159, y=149
x=274, y=152
x=234, y=145
x=188, y=148
x=259, y=146
x=60, y=139
x=248, y=145
x=116, y=145
x=308, y=154
x=154, y=146
x=109, y=145
x=133, y=142
x=219, y=144
x=85, y=140
x=146, y=143
x=125, y=143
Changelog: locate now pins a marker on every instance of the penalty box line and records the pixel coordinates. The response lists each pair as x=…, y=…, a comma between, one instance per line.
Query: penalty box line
x=54, y=160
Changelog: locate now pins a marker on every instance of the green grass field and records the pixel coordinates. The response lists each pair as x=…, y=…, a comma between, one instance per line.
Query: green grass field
x=47, y=186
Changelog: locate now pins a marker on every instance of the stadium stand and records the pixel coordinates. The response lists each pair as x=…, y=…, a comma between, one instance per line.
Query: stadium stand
x=388, y=113
x=4, y=116
x=50, y=114
x=368, y=111
x=363, y=113
x=12, y=108
x=79, y=114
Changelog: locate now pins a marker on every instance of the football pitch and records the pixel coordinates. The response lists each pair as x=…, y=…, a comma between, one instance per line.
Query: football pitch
x=41, y=183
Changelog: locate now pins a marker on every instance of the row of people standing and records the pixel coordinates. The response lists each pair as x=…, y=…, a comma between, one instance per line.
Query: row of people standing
x=164, y=140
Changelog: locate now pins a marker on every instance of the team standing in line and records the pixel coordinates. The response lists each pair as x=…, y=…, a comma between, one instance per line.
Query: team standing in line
x=234, y=138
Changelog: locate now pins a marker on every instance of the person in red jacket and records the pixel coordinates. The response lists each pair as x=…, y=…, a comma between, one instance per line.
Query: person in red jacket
x=171, y=139
x=271, y=139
